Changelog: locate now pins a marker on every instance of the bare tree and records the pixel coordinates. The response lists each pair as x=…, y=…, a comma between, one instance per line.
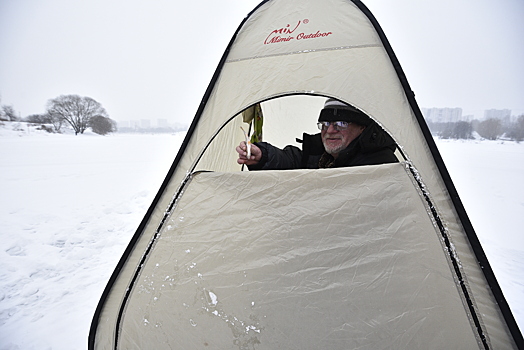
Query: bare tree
x=75, y=110
x=102, y=125
x=57, y=122
x=490, y=129
x=9, y=113
x=38, y=118
x=463, y=130
x=2, y=114
x=517, y=132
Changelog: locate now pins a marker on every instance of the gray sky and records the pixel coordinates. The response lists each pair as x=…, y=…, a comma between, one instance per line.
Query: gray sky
x=154, y=59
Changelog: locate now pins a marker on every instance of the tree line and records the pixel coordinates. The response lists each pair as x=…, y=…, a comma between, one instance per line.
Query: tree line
x=81, y=113
x=489, y=129
x=76, y=111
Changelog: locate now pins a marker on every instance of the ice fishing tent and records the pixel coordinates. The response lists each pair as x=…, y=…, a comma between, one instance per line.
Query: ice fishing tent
x=370, y=257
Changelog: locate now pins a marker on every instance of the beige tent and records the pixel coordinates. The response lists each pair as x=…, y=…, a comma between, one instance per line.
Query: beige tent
x=370, y=257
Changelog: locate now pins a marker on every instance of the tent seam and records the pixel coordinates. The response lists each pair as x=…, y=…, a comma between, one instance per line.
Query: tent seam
x=306, y=51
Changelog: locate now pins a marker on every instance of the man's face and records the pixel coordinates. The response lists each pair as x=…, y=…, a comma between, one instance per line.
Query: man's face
x=337, y=140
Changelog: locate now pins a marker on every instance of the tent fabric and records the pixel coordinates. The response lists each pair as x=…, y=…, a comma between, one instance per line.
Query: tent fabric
x=289, y=56
x=338, y=259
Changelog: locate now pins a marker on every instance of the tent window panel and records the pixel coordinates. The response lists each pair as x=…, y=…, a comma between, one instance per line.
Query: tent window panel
x=270, y=259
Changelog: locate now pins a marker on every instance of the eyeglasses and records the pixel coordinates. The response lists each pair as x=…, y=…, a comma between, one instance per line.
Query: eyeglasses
x=336, y=125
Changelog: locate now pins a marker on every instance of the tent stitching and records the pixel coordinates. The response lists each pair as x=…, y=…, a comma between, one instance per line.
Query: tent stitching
x=306, y=51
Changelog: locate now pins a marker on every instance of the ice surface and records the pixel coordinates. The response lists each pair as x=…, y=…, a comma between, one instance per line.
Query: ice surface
x=69, y=207
x=71, y=204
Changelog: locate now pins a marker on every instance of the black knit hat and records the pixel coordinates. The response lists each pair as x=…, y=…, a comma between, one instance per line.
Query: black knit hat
x=335, y=110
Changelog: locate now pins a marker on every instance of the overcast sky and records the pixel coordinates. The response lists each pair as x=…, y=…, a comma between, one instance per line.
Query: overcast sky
x=154, y=59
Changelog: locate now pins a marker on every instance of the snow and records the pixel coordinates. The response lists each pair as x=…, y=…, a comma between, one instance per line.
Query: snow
x=70, y=205
x=488, y=176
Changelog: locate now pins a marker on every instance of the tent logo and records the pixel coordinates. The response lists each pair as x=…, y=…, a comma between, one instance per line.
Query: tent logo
x=286, y=34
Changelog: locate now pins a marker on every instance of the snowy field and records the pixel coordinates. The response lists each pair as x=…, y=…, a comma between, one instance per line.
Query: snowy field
x=69, y=206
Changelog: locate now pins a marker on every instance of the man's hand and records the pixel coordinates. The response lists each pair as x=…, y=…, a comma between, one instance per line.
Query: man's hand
x=256, y=154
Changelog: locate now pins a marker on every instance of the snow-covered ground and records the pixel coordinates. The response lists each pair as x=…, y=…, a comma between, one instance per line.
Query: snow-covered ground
x=69, y=205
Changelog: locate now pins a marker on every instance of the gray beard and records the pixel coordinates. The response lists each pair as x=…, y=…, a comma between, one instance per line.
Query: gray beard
x=334, y=150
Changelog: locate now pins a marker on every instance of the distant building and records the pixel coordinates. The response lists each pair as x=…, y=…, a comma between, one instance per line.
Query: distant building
x=145, y=124
x=179, y=126
x=442, y=115
x=162, y=123
x=502, y=114
x=124, y=124
x=134, y=124
x=497, y=113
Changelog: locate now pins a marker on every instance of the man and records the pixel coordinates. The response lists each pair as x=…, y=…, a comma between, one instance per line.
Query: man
x=348, y=138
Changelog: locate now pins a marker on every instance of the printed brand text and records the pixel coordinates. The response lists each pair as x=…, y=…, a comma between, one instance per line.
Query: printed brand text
x=286, y=34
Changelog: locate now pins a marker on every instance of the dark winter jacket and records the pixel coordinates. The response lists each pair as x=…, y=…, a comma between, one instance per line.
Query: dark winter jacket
x=373, y=146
